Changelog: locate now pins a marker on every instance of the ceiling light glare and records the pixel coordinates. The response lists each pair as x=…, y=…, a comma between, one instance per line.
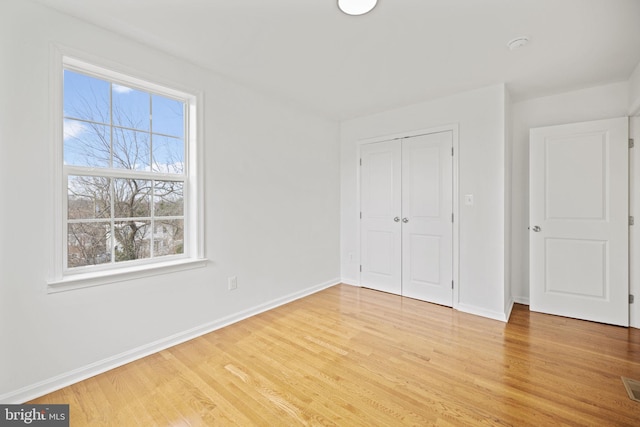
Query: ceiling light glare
x=518, y=42
x=356, y=7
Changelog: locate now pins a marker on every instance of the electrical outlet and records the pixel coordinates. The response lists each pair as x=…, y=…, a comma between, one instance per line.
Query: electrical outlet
x=232, y=282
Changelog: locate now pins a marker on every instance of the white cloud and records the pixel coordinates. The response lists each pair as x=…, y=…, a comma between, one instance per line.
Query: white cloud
x=73, y=129
x=177, y=167
x=121, y=89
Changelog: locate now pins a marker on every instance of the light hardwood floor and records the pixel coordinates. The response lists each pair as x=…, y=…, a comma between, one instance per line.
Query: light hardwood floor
x=355, y=357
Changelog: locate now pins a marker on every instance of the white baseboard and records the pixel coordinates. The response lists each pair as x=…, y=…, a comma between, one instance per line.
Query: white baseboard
x=350, y=282
x=503, y=317
x=479, y=311
x=509, y=309
x=49, y=385
x=521, y=300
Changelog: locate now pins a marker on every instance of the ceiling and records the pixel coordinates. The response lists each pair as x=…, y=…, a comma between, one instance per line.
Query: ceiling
x=309, y=54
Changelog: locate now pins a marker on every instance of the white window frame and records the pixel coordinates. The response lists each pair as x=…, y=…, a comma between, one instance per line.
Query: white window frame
x=61, y=278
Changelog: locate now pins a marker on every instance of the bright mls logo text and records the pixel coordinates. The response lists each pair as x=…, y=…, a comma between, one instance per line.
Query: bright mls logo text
x=49, y=415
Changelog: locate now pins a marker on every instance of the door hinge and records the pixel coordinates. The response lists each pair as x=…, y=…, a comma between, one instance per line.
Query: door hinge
x=452, y=217
x=631, y=220
x=631, y=143
x=360, y=215
x=452, y=151
x=452, y=284
x=631, y=299
x=360, y=268
x=360, y=162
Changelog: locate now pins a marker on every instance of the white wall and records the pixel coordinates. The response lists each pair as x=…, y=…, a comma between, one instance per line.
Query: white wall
x=595, y=103
x=271, y=207
x=508, y=167
x=480, y=115
x=634, y=91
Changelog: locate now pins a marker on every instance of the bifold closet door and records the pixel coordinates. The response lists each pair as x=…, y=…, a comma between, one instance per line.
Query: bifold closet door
x=406, y=199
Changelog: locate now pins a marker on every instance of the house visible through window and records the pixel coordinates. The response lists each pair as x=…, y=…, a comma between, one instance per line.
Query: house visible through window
x=125, y=164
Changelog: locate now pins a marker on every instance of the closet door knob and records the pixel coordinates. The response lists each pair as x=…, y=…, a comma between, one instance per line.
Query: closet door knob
x=405, y=220
x=396, y=219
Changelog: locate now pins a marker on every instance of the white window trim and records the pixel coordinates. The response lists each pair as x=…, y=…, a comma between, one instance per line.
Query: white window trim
x=58, y=279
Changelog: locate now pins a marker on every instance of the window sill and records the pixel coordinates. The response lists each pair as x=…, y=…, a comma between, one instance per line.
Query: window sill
x=87, y=280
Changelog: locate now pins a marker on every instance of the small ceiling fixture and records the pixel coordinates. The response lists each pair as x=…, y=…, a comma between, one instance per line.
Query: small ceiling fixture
x=356, y=7
x=518, y=42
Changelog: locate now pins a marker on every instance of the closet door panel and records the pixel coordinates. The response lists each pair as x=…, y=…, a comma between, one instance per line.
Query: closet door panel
x=380, y=204
x=427, y=207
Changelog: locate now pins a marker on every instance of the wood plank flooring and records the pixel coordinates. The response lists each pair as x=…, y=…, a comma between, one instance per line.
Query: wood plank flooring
x=348, y=356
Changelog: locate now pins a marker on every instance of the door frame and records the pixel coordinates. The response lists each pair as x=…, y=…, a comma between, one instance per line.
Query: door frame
x=453, y=128
x=634, y=202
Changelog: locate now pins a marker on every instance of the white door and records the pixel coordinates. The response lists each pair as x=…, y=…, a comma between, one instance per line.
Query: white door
x=427, y=207
x=406, y=232
x=380, y=197
x=579, y=221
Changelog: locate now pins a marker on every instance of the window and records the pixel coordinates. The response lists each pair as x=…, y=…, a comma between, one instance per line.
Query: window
x=128, y=175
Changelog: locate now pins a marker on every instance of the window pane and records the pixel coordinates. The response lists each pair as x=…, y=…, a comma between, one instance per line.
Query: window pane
x=131, y=108
x=132, y=240
x=88, y=197
x=168, y=116
x=124, y=168
x=169, y=198
x=86, y=144
x=132, y=198
x=131, y=149
x=87, y=244
x=86, y=97
x=168, y=237
x=168, y=154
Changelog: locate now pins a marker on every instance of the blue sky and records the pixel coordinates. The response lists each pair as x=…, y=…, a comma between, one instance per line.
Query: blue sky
x=154, y=138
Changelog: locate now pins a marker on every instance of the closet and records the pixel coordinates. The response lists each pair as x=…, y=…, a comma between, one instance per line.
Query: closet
x=406, y=216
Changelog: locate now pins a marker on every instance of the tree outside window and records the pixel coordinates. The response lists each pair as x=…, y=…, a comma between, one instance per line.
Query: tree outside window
x=124, y=169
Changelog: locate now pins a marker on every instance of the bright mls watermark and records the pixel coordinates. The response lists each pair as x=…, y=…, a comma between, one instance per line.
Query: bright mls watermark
x=34, y=415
